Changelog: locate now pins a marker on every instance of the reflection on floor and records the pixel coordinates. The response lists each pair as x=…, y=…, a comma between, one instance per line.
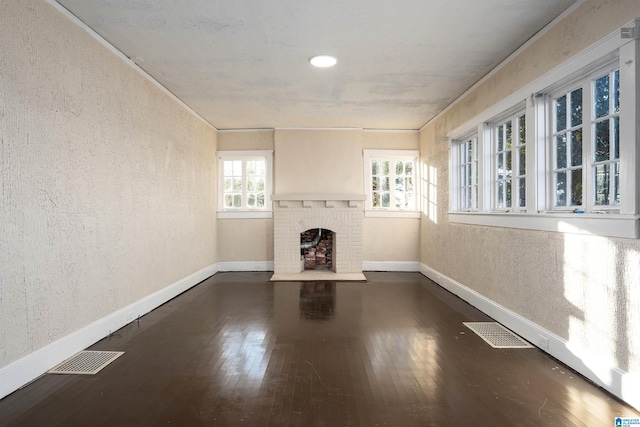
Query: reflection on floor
x=239, y=349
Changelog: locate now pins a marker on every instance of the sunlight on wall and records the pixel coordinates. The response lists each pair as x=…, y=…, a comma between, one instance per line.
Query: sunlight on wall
x=430, y=192
x=589, y=280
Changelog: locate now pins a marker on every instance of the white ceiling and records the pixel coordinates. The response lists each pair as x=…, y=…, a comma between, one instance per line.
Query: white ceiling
x=244, y=63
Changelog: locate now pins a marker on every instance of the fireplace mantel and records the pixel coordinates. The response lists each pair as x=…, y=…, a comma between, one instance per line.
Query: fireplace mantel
x=295, y=213
x=316, y=197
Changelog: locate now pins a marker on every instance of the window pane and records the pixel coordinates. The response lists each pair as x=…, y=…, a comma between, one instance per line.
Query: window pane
x=251, y=200
x=500, y=193
x=561, y=189
x=522, y=161
x=616, y=184
x=376, y=200
x=375, y=167
x=409, y=201
x=261, y=167
x=399, y=184
x=228, y=184
x=237, y=184
x=616, y=91
x=500, y=138
x=375, y=183
x=228, y=200
x=237, y=200
x=576, y=187
x=601, y=96
x=602, y=141
x=386, y=200
x=385, y=167
x=399, y=168
x=501, y=166
x=228, y=168
x=602, y=185
x=561, y=113
x=561, y=151
x=384, y=182
x=576, y=107
x=522, y=130
x=251, y=167
x=616, y=137
x=508, y=135
x=260, y=184
x=522, y=192
x=508, y=164
x=408, y=168
x=576, y=147
x=408, y=184
x=251, y=185
x=237, y=168
x=260, y=200
x=508, y=194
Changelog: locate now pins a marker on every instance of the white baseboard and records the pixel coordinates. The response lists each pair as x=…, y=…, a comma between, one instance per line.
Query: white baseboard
x=245, y=266
x=26, y=369
x=622, y=384
x=410, y=266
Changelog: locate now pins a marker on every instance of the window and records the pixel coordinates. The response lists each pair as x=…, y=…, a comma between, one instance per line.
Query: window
x=559, y=154
x=391, y=182
x=509, y=159
x=245, y=184
x=586, y=174
x=468, y=173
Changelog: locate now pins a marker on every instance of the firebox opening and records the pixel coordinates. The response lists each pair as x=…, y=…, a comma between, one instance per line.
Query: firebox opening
x=316, y=249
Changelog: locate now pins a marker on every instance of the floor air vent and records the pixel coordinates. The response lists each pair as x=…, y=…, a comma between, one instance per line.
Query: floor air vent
x=86, y=362
x=496, y=335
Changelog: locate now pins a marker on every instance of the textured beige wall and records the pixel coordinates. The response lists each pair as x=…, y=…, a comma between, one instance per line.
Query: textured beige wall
x=585, y=289
x=390, y=140
x=391, y=239
x=107, y=189
x=245, y=240
x=261, y=139
x=318, y=161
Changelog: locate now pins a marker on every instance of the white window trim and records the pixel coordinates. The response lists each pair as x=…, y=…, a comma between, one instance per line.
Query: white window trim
x=539, y=216
x=391, y=212
x=489, y=146
x=267, y=212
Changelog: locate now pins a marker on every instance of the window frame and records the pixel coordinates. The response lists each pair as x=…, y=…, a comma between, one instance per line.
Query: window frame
x=513, y=117
x=392, y=156
x=540, y=215
x=245, y=156
x=588, y=133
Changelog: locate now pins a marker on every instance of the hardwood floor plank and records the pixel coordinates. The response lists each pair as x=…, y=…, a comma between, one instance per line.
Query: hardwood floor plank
x=239, y=350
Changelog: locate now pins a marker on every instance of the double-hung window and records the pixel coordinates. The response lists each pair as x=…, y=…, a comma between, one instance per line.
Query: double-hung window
x=586, y=144
x=391, y=182
x=245, y=184
x=467, y=153
x=509, y=163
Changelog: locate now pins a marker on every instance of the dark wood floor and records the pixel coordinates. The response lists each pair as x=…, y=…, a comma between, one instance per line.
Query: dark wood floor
x=239, y=350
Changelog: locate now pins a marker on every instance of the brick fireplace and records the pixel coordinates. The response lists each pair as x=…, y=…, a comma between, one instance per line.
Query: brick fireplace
x=297, y=213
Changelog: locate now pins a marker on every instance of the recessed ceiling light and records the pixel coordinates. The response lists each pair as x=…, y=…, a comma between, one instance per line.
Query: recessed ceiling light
x=323, y=61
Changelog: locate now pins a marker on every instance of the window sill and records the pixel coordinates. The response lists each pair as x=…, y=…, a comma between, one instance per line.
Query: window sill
x=372, y=213
x=610, y=225
x=244, y=214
